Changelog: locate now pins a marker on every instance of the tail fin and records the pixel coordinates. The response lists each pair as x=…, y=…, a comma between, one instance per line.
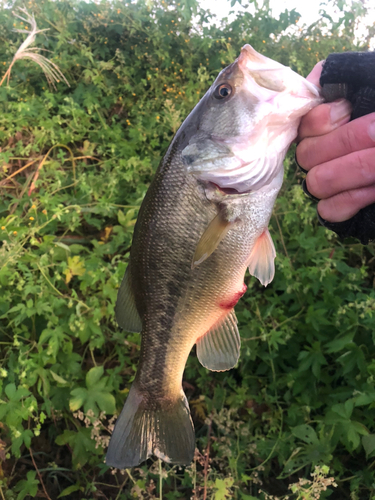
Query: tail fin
x=141, y=432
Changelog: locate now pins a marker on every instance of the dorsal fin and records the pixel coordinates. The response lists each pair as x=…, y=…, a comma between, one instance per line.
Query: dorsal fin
x=126, y=311
x=219, y=349
x=261, y=262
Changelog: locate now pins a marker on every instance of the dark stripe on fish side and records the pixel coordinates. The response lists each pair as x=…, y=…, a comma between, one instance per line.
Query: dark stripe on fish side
x=160, y=328
x=161, y=289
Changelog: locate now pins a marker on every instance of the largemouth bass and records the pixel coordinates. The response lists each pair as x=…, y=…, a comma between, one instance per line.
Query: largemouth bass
x=202, y=223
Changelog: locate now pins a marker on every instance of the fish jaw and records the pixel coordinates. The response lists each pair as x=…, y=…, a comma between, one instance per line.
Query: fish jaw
x=273, y=75
x=289, y=93
x=267, y=102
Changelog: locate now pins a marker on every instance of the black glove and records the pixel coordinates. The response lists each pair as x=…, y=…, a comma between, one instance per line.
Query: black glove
x=351, y=75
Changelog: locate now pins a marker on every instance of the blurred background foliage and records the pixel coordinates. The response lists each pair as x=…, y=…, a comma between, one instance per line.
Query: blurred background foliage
x=302, y=398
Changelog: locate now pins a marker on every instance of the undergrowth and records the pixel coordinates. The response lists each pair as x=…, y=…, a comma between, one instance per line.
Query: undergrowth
x=295, y=418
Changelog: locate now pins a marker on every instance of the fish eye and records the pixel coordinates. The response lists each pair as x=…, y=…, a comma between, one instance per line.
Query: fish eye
x=222, y=91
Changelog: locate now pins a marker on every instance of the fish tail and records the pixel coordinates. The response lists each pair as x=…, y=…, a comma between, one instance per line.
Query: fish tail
x=144, y=429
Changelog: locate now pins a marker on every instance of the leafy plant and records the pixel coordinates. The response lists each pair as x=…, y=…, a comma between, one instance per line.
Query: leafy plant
x=76, y=163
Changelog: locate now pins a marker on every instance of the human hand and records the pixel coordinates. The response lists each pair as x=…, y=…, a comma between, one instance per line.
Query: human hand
x=339, y=157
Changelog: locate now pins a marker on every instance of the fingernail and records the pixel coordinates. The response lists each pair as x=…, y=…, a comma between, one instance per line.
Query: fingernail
x=340, y=110
x=371, y=131
x=307, y=192
x=322, y=221
x=298, y=165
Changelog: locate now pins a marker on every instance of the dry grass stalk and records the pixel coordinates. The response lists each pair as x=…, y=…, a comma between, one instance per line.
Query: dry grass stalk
x=51, y=71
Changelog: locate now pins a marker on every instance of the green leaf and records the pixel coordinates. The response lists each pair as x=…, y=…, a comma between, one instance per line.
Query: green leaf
x=306, y=433
x=58, y=379
x=70, y=489
x=97, y=395
x=62, y=245
x=27, y=487
x=222, y=488
x=78, y=399
x=93, y=375
x=369, y=444
x=82, y=444
x=106, y=402
x=76, y=267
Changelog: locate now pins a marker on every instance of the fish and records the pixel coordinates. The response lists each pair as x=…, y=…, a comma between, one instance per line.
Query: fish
x=202, y=224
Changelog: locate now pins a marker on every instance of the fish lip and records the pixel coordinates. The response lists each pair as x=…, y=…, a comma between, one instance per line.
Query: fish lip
x=250, y=59
x=249, y=54
x=238, y=139
x=225, y=191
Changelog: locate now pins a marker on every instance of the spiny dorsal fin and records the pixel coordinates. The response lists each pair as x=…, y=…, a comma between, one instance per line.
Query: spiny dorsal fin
x=261, y=263
x=219, y=349
x=215, y=232
x=126, y=311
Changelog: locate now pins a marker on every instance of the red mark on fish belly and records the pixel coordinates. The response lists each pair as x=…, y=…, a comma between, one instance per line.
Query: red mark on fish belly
x=232, y=301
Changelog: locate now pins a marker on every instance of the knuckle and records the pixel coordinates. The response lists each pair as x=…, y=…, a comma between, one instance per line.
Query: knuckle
x=304, y=153
x=348, y=198
x=365, y=167
x=348, y=139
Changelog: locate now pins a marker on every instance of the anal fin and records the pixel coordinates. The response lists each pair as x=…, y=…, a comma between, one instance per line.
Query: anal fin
x=126, y=312
x=219, y=349
x=261, y=262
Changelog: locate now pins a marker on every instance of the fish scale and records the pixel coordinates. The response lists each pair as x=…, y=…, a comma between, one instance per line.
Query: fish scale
x=203, y=221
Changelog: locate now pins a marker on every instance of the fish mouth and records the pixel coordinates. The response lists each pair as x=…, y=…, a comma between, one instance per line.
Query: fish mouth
x=226, y=191
x=249, y=54
x=274, y=76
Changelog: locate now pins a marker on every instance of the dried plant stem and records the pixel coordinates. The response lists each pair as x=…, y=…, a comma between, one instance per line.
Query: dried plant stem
x=161, y=481
x=207, y=458
x=36, y=175
x=39, y=475
x=18, y=171
x=7, y=74
x=51, y=71
x=282, y=240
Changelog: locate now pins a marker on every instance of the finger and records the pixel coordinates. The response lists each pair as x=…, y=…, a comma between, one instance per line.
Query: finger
x=354, y=136
x=353, y=171
x=324, y=118
x=314, y=76
x=345, y=205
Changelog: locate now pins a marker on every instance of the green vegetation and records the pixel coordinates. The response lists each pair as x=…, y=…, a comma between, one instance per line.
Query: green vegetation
x=75, y=165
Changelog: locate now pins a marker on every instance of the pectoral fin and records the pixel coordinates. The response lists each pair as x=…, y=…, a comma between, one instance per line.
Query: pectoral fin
x=126, y=312
x=261, y=263
x=210, y=239
x=219, y=349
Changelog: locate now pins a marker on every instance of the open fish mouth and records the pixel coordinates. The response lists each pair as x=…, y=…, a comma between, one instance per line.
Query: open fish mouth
x=266, y=73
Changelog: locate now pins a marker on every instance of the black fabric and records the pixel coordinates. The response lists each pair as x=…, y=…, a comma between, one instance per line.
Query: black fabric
x=351, y=75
